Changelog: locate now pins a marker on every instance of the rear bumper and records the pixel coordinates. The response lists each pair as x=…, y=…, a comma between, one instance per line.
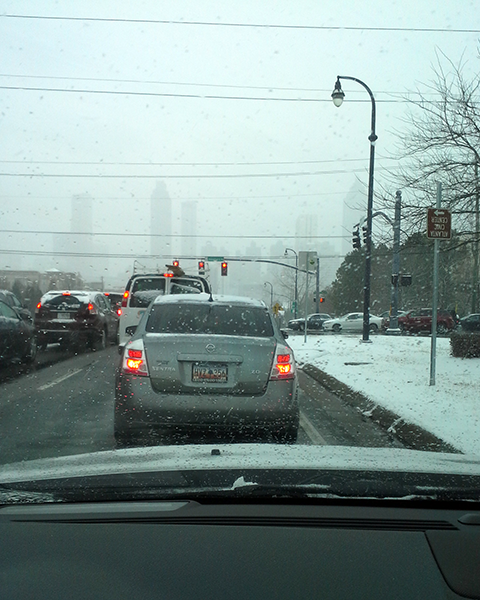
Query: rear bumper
x=138, y=406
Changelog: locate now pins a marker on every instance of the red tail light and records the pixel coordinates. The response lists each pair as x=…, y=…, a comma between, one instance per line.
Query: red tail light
x=283, y=364
x=134, y=360
x=168, y=274
x=126, y=294
x=92, y=309
x=38, y=307
x=119, y=311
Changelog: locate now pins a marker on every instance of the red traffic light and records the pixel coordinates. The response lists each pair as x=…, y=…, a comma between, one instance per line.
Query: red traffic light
x=224, y=268
x=176, y=263
x=201, y=267
x=322, y=299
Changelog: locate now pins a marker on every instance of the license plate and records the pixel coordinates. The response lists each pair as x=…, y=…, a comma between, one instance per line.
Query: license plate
x=63, y=316
x=209, y=372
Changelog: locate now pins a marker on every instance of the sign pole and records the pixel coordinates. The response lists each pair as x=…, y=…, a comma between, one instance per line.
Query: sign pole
x=433, y=348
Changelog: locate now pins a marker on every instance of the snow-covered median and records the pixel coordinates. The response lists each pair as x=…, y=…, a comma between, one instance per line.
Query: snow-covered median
x=394, y=372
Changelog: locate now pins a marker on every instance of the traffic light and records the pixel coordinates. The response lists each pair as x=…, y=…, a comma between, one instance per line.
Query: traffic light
x=322, y=299
x=224, y=268
x=176, y=263
x=356, y=239
x=364, y=229
x=201, y=267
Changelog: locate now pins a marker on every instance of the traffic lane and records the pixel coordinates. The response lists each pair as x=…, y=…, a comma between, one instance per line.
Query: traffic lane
x=45, y=358
x=328, y=420
x=65, y=408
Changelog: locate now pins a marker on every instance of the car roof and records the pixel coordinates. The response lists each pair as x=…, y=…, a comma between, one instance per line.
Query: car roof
x=203, y=297
x=86, y=293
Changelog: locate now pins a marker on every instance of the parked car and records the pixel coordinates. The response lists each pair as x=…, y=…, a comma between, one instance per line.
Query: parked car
x=17, y=336
x=420, y=320
x=352, y=322
x=9, y=298
x=314, y=321
x=217, y=365
x=142, y=289
x=386, y=318
x=471, y=322
x=75, y=317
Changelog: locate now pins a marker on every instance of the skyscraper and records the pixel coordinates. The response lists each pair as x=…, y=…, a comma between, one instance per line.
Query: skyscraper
x=161, y=222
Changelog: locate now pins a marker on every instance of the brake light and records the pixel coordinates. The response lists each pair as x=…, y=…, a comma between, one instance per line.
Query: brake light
x=92, y=309
x=126, y=294
x=134, y=359
x=66, y=294
x=283, y=364
x=38, y=307
x=119, y=311
x=168, y=274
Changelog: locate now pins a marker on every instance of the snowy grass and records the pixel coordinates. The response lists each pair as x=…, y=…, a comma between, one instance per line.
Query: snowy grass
x=394, y=372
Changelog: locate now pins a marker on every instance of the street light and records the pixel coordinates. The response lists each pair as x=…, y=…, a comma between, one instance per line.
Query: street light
x=337, y=96
x=296, y=279
x=271, y=292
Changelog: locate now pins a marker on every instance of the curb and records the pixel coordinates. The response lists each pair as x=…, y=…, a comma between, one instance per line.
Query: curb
x=410, y=435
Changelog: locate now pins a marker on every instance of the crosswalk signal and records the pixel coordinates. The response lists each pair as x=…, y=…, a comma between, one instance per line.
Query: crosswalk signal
x=224, y=268
x=356, y=239
x=201, y=267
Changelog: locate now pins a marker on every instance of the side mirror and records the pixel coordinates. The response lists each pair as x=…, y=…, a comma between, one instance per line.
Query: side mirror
x=131, y=329
x=284, y=333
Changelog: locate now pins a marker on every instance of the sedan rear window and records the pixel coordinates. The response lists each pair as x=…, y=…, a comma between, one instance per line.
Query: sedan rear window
x=218, y=320
x=65, y=302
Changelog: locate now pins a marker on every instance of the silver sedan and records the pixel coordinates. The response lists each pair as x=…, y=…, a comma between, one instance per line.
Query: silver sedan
x=201, y=364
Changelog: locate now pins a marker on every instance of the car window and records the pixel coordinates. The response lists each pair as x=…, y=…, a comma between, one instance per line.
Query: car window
x=204, y=319
x=7, y=311
x=144, y=290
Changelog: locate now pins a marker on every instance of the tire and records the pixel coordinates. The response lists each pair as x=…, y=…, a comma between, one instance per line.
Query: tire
x=373, y=328
x=442, y=329
x=99, y=341
x=29, y=358
x=336, y=328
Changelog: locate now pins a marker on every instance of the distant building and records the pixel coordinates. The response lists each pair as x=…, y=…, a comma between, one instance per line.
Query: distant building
x=161, y=223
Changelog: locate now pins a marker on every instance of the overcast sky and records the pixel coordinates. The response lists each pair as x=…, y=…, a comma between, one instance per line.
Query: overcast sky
x=205, y=97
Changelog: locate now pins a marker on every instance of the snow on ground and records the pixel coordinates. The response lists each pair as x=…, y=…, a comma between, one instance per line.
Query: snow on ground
x=396, y=375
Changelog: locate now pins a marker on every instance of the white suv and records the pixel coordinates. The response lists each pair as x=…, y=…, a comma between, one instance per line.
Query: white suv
x=142, y=289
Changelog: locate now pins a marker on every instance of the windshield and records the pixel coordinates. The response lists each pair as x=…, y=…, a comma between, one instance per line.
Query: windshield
x=312, y=164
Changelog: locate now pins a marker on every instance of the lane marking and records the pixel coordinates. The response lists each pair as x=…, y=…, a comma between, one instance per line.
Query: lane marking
x=311, y=431
x=59, y=379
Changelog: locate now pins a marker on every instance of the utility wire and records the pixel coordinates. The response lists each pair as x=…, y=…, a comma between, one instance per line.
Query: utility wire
x=246, y=25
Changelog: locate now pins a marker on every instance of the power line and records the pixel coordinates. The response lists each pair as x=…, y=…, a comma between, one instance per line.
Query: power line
x=190, y=96
x=159, y=235
x=101, y=163
x=198, y=176
x=208, y=85
x=246, y=25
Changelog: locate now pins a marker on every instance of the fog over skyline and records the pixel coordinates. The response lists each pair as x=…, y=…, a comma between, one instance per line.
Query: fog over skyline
x=233, y=124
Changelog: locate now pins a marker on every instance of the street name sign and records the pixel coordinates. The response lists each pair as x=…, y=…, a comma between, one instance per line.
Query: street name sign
x=439, y=224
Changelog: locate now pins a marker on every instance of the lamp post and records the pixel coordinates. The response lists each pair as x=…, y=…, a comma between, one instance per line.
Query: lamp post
x=296, y=279
x=271, y=292
x=337, y=96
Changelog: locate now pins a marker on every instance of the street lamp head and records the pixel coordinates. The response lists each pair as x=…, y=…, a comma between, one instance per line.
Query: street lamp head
x=338, y=94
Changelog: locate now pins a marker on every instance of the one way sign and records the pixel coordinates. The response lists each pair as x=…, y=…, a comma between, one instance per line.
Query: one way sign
x=439, y=224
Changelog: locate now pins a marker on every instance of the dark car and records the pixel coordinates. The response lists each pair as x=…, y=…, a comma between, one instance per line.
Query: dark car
x=314, y=321
x=17, y=336
x=76, y=317
x=115, y=299
x=471, y=322
x=216, y=365
x=420, y=320
x=9, y=298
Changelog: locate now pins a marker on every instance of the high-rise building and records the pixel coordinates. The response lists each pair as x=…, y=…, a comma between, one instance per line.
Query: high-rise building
x=188, y=228
x=161, y=223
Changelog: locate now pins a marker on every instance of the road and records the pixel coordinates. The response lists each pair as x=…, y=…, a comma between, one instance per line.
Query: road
x=65, y=406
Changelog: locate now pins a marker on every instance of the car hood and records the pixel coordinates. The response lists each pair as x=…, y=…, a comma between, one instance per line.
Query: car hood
x=240, y=457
